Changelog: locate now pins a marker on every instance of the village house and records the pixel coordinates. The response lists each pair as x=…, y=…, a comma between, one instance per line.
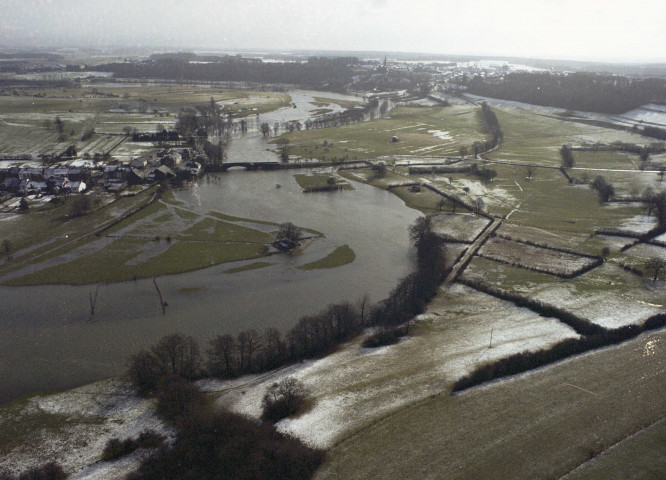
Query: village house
x=161, y=174
x=172, y=159
x=139, y=162
x=135, y=177
x=73, y=186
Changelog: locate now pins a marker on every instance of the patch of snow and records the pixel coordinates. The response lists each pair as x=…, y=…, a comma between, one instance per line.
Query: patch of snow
x=639, y=223
x=441, y=134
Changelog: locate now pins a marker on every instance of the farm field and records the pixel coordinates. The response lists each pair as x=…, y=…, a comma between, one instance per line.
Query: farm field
x=607, y=295
x=420, y=130
x=638, y=456
x=458, y=227
x=535, y=136
x=28, y=122
x=535, y=258
x=538, y=425
x=51, y=227
x=619, y=160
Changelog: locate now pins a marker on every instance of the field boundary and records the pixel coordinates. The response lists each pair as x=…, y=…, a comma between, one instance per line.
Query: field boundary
x=596, y=261
x=562, y=350
x=580, y=325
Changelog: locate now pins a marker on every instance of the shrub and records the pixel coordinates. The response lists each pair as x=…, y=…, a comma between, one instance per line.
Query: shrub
x=283, y=399
x=178, y=400
x=385, y=335
x=49, y=471
x=82, y=205
x=116, y=449
x=230, y=446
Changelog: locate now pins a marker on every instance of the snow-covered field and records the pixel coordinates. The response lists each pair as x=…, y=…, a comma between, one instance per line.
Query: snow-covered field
x=492, y=196
x=650, y=113
x=528, y=256
x=639, y=223
x=607, y=295
x=355, y=386
x=608, y=311
x=462, y=227
x=73, y=427
x=441, y=134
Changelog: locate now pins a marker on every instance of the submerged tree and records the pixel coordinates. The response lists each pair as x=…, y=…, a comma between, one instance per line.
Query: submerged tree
x=289, y=231
x=284, y=149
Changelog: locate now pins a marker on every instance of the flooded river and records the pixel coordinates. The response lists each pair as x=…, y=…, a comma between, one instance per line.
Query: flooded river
x=49, y=342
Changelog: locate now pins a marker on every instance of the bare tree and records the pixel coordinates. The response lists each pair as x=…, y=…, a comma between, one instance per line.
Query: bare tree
x=530, y=170
x=381, y=169
x=283, y=399
x=283, y=144
x=222, y=356
x=656, y=265
x=420, y=229
x=479, y=206
x=363, y=305
x=249, y=342
x=567, y=156
x=477, y=148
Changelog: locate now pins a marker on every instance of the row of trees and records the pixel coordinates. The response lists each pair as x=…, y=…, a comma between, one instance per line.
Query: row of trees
x=251, y=351
x=493, y=125
x=654, y=132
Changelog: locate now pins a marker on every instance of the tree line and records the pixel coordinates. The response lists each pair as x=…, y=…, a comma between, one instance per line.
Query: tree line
x=493, y=125
x=347, y=117
x=316, y=71
x=576, y=91
x=251, y=351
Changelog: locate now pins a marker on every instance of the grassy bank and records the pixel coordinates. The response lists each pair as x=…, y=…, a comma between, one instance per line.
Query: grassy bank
x=340, y=256
x=321, y=180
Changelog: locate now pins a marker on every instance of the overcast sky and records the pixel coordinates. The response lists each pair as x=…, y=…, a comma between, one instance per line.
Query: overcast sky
x=608, y=30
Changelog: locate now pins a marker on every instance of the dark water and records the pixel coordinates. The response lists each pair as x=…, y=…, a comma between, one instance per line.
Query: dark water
x=47, y=341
